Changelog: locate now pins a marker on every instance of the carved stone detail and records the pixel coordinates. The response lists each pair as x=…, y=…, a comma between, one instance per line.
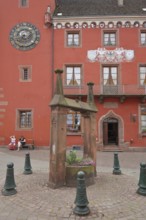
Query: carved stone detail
x=105, y=56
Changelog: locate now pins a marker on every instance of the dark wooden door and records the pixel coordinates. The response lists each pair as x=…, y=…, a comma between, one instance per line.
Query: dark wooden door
x=105, y=133
x=110, y=131
x=113, y=133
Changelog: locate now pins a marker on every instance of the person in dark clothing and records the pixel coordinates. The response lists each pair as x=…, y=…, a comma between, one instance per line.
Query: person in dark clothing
x=21, y=142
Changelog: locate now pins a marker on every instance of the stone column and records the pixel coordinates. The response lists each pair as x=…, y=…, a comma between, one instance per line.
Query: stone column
x=58, y=147
x=93, y=133
x=92, y=124
x=58, y=135
x=89, y=137
x=86, y=133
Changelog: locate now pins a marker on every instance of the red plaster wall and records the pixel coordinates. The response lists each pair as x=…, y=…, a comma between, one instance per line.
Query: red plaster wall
x=91, y=40
x=35, y=95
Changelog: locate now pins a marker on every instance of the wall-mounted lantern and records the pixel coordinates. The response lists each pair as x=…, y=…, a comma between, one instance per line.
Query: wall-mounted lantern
x=133, y=117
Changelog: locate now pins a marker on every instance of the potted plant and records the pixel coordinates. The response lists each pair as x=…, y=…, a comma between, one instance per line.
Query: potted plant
x=58, y=71
x=75, y=164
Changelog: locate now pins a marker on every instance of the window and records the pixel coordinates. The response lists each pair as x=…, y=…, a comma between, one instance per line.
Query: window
x=109, y=38
x=25, y=73
x=110, y=80
x=73, y=121
x=110, y=75
x=73, y=75
x=142, y=70
x=24, y=3
x=143, y=118
x=143, y=37
x=24, y=118
x=73, y=39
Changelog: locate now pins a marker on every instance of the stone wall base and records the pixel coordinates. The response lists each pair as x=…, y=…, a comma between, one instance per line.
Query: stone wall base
x=71, y=175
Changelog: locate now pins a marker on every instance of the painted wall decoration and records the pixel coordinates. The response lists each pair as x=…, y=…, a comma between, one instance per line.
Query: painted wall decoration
x=114, y=56
x=76, y=25
x=93, y=25
x=67, y=25
x=59, y=25
x=84, y=25
x=100, y=24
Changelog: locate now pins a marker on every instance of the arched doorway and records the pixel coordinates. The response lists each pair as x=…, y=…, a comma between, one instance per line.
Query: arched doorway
x=110, y=131
x=111, y=121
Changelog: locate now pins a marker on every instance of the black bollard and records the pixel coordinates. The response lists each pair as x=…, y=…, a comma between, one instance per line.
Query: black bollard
x=27, y=166
x=116, y=167
x=9, y=186
x=81, y=200
x=142, y=180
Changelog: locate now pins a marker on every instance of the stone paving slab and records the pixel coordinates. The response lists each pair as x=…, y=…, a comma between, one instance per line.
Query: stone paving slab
x=112, y=197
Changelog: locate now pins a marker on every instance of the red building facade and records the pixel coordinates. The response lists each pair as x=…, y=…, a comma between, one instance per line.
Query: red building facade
x=102, y=42
x=26, y=65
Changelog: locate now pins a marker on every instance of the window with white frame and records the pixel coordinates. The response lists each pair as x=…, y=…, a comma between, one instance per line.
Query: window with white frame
x=109, y=38
x=110, y=75
x=24, y=119
x=73, y=75
x=142, y=72
x=143, y=118
x=143, y=38
x=73, y=39
x=73, y=121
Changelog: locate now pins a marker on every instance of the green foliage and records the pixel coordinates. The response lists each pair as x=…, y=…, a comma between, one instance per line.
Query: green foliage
x=58, y=71
x=72, y=158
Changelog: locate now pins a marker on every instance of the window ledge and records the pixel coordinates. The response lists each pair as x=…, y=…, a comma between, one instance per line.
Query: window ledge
x=24, y=129
x=25, y=81
x=143, y=134
x=110, y=45
x=70, y=46
x=73, y=87
x=141, y=86
x=74, y=133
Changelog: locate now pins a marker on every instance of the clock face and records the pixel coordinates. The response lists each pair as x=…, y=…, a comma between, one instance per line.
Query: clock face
x=24, y=36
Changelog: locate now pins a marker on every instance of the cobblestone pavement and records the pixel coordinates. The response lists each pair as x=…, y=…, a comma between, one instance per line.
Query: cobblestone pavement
x=112, y=197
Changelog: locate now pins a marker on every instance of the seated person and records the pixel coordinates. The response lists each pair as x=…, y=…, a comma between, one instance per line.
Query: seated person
x=12, y=144
x=13, y=140
x=21, y=142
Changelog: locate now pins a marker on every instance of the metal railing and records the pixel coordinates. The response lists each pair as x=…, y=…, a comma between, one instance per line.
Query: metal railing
x=107, y=90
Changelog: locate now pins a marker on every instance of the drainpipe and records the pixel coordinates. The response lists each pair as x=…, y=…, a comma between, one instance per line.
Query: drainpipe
x=49, y=24
x=52, y=63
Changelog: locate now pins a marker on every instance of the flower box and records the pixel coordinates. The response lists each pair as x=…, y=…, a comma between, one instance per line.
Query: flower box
x=71, y=174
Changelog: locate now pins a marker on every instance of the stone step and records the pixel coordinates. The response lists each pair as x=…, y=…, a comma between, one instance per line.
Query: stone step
x=121, y=149
x=112, y=148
